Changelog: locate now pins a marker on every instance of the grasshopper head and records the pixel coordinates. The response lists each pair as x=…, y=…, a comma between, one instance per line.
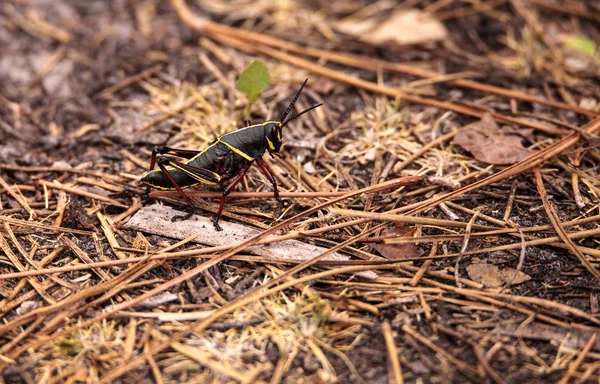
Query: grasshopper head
x=273, y=136
x=273, y=129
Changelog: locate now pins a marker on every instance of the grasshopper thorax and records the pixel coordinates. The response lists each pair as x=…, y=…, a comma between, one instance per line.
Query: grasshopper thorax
x=272, y=133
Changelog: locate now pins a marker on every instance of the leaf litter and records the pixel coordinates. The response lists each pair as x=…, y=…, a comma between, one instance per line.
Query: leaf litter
x=491, y=276
x=490, y=144
x=403, y=27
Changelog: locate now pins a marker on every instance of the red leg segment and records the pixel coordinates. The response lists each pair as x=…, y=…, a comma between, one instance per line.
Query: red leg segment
x=265, y=170
x=230, y=187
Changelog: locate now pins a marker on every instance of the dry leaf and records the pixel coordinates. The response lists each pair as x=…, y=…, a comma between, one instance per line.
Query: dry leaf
x=403, y=27
x=397, y=251
x=489, y=144
x=492, y=276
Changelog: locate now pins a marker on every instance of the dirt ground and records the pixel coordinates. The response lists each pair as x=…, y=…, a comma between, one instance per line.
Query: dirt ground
x=469, y=255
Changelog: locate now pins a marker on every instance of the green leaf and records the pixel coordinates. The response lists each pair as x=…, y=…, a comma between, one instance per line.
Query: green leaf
x=254, y=80
x=581, y=44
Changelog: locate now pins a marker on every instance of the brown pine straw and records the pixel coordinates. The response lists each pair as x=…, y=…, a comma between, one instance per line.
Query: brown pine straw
x=17, y=196
x=260, y=292
x=80, y=192
x=383, y=90
x=566, y=139
x=209, y=252
x=573, y=367
x=558, y=226
x=395, y=183
x=527, y=164
x=462, y=366
x=248, y=195
x=392, y=354
x=206, y=26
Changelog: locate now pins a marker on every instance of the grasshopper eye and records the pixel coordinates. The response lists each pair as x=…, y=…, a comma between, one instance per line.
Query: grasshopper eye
x=275, y=134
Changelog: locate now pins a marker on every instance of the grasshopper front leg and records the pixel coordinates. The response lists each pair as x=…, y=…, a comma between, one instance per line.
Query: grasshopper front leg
x=226, y=191
x=265, y=170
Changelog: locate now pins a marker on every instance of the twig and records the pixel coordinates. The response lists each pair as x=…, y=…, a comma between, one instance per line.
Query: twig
x=392, y=354
x=521, y=256
x=560, y=228
x=405, y=219
x=19, y=198
x=250, y=195
x=189, y=103
x=573, y=367
x=76, y=191
x=383, y=90
x=463, y=249
x=464, y=368
x=203, y=25
x=486, y=366
x=511, y=201
x=568, y=8
x=417, y=277
x=109, y=92
x=45, y=227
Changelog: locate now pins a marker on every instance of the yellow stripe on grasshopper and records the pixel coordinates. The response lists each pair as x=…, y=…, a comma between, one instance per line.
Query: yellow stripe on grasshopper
x=237, y=151
x=270, y=143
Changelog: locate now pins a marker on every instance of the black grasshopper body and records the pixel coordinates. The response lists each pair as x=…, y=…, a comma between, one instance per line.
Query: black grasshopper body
x=224, y=162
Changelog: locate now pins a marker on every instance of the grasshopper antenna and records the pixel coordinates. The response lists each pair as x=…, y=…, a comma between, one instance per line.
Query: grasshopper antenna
x=301, y=113
x=289, y=108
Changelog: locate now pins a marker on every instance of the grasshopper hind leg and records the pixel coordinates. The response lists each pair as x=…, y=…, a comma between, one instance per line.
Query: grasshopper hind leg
x=191, y=209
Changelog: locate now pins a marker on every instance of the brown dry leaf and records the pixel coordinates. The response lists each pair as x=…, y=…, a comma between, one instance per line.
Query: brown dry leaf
x=489, y=144
x=397, y=251
x=492, y=276
x=403, y=27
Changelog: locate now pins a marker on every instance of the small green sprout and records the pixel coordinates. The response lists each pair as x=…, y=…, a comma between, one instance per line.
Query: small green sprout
x=252, y=82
